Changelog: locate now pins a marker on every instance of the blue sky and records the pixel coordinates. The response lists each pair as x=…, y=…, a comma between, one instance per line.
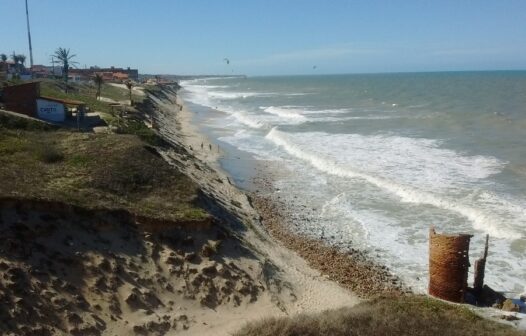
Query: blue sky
x=273, y=37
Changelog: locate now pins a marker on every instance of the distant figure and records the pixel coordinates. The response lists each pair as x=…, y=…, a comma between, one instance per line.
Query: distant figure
x=210, y=146
x=191, y=148
x=181, y=108
x=201, y=145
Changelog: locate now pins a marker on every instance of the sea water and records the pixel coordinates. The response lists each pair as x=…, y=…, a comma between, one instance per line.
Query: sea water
x=378, y=159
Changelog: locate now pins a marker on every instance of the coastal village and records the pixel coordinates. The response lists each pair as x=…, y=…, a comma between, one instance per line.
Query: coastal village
x=116, y=220
x=159, y=249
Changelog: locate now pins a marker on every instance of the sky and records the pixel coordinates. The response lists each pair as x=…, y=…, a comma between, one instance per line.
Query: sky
x=273, y=37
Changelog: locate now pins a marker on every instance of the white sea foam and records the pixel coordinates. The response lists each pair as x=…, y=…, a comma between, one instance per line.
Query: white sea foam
x=285, y=113
x=246, y=141
x=245, y=119
x=301, y=110
x=226, y=95
x=366, y=153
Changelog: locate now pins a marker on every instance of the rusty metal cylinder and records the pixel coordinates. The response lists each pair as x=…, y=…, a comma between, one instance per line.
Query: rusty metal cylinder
x=448, y=265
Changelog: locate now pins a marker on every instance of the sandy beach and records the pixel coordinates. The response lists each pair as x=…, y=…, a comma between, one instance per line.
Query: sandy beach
x=306, y=265
x=159, y=240
x=293, y=286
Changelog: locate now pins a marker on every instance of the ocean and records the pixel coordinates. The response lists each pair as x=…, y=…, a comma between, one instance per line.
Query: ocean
x=372, y=161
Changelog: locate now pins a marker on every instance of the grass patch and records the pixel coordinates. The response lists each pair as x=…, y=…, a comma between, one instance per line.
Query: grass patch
x=122, y=170
x=405, y=315
x=83, y=93
x=95, y=170
x=77, y=160
x=131, y=124
x=11, y=145
x=138, y=128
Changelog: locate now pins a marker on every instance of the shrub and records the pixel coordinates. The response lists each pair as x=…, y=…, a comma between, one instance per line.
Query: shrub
x=49, y=154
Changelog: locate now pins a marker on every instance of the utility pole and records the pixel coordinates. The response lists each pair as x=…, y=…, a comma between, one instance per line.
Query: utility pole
x=29, y=38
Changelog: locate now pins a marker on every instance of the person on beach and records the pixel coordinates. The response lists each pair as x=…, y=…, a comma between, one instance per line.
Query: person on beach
x=201, y=145
x=210, y=146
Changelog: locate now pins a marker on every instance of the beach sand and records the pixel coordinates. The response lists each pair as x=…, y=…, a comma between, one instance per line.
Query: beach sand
x=102, y=274
x=291, y=285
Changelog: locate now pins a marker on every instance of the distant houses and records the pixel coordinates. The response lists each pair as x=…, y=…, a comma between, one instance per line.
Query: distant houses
x=112, y=74
x=10, y=69
x=44, y=71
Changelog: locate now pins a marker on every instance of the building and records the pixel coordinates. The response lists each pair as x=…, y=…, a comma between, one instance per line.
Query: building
x=133, y=74
x=120, y=76
x=22, y=98
x=26, y=99
x=76, y=75
x=110, y=74
x=106, y=75
x=56, y=110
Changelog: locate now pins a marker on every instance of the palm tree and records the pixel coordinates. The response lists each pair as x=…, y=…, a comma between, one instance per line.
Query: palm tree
x=17, y=59
x=22, y=61
x=129, y=85
x=64, y=57
x=98, y=81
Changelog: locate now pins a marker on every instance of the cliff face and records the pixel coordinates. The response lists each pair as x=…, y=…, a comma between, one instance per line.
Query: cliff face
x=75, y=271
x=101, y=236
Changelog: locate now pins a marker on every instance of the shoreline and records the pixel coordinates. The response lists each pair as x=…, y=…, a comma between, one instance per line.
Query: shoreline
x=293, y=287
x=355, y=270
x=352, y=270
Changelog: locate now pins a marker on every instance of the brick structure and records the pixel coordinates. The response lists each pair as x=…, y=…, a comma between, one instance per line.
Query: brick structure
x=22, y=98
x=448, y=265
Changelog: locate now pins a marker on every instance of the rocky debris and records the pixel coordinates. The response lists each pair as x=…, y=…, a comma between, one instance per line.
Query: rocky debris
x=152, y=328
x=190, y=256
x=74, y=318
x=353, y=269
x=509, y=317
x=210, y=248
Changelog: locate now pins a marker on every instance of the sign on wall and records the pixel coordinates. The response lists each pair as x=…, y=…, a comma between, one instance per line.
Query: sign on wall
x=50, y=110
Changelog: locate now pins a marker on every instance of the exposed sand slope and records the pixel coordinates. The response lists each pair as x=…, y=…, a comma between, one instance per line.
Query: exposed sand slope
x=91, y=273
x=94, y=272
x=294, y=287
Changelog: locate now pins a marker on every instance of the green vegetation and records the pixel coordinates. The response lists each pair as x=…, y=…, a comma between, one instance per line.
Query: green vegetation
x=21, y=123
x=405, y=315
x=84, y=92
x=125, y=124
x=113, y=171
x=63, y=55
